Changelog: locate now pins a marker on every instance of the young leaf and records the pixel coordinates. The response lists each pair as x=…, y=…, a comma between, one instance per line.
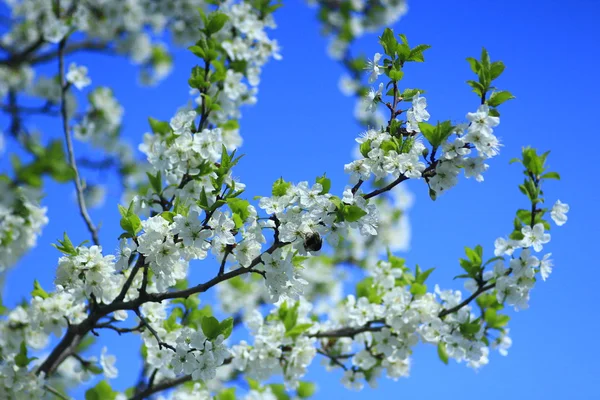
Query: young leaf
x=102, y=391
x=216, y=23
x=442, y=353
x=280, y=187
x=325, y=183
x=211, y=327
x=38, y=291
x=353, y=213
x=498, y=98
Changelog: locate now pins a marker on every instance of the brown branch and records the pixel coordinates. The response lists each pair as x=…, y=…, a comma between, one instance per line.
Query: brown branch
x=161, y=343
x=160, y=386
x=69, y=140
x=349, y=331
x=469, y=299
x=333, y=359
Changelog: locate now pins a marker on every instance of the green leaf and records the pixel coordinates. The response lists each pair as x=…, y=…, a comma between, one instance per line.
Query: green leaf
x=498, y=98
x=496, y=69
x=436, y=135
x=551, y=175
x=474, y=255
x=470, y=328
x=130, y=222
x=278, y=389
x=365, y=148
x=418, y=289
x=408, y=94
x=21, y=359
x=239, y=222
x=389, y=42
x=325, y=183
x=478, y=88
x=298, y=330
x=226, y=327
x=428, y=131
x=226, y=394
x=217, y=21
x=495, y=320
x=291, y=317
x=159, y=127
x=102, y=391
x=155, y=182
x=353, y=213
x=442, y=353
x=240, y=207
x=168, y=215
x=211, y=327
x=65, y=245
x=396, y=75
x=197, y=51
x=485, y=59
x=475, y=65
x=280, y=187
x=416, y=53
x=38, y=291
x=422, y=276
x=203, y=201
x=306, y=389
x=94, y=369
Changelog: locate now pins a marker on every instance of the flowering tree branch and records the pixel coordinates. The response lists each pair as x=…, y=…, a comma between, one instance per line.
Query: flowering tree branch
x=186, y=203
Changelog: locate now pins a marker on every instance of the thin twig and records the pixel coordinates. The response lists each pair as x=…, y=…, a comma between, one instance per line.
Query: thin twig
x=334, y=359
x=161, y=344
x=55, y=392
x=69, y=140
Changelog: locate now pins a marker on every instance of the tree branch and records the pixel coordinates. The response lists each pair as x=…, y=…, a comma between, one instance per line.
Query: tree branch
x=69, y=140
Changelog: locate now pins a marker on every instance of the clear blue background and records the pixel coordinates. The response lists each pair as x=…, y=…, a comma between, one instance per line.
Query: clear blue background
x=302, y=126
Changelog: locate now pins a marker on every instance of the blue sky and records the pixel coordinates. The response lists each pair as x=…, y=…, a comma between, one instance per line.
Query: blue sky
x=302, y=126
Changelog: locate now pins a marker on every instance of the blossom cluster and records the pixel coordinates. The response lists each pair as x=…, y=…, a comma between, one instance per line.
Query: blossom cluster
x=21, y=222
x=274, y=343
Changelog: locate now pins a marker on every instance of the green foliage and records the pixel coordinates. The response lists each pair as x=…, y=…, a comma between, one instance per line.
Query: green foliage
x=400, y=52
x=442, y=352
x=278, y=389
x=130, y=222
x=436, y=135
x=498, y=98
x=38, y=291
x=325, y=183
x=366, y=288
x=50, y=160
x=488, y=71
x=280, y=187
x=155, y=182
x=239, y=207
x=216, y=22
x=65, y=245
x=408, y=94
x=472, y=264
x=536, y=171
x=159, y=127
x=226, y=394
x=289, y=317
x=353, y=213
x=306, y=389
x=21, y=359
x=212, y=328
x=102, y=391
x=495, y=320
